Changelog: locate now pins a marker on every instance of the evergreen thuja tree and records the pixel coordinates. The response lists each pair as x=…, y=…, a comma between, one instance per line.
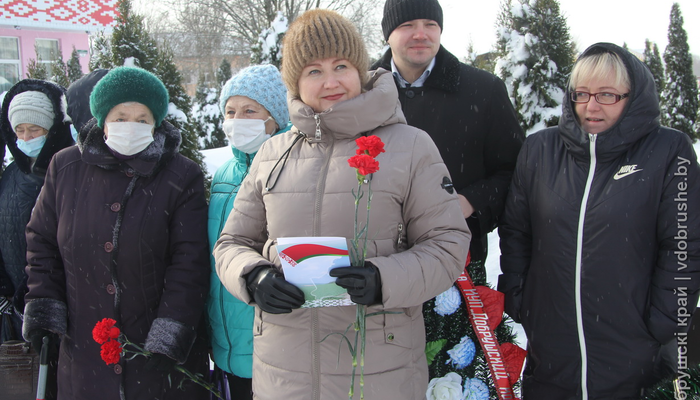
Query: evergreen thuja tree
x=36, y=70
x=59, y=72
x=54, y=71
x=535, y=58
x=74, y=70
x=206, y=116
x=652, y=59
x=268, y=50
x=223, y=74
x=101, y=50
x=680, y=99
x=198, y=125
x=217, y=137
x=180, y=112
x=131, y=40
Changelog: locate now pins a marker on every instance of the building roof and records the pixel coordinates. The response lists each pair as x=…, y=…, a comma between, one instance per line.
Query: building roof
x=78, y=15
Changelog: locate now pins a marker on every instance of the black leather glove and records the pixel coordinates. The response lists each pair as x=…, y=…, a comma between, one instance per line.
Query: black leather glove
x=271, y=292
x=364, y=284
x=511, y=285
x=513, y=300
x=159, y=362
x=36, y=338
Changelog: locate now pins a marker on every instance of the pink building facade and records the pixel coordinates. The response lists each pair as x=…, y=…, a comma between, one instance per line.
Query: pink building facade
x=47, y=28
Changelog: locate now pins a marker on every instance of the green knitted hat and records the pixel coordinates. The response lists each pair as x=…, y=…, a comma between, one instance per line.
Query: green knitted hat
x=126, y=84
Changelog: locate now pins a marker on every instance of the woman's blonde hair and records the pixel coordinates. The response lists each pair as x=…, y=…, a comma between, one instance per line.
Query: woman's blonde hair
x=599, y=66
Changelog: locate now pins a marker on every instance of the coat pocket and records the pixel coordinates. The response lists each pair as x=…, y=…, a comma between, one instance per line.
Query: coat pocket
x=398, y=328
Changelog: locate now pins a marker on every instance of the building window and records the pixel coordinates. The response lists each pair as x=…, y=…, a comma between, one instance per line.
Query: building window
x=9, y=62
x=47, y=52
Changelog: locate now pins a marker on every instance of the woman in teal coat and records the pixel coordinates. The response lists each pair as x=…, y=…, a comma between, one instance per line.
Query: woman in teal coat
x=254, y=105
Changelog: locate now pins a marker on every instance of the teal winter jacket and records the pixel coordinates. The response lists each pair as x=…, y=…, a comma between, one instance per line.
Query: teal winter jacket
x=230, y=320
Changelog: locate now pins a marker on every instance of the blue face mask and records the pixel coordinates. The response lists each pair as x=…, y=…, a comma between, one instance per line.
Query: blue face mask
x=74, y=133
x=32, y=147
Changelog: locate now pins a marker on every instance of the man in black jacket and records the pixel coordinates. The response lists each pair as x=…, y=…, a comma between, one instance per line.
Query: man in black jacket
x=465, y=110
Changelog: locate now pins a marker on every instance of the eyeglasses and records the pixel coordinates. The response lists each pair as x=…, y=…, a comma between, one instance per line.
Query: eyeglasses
x=602, y=97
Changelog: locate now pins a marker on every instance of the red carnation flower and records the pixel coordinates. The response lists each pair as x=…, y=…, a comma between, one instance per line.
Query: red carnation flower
x=111, y=352
x=364, y=163
x=105, y=330
x=371, y=145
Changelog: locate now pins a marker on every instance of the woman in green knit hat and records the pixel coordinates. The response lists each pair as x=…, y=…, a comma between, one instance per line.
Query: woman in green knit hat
x=119, y=232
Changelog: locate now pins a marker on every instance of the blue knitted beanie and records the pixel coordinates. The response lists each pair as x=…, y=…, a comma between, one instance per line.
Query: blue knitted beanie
x=262, y=83
x=127, y=84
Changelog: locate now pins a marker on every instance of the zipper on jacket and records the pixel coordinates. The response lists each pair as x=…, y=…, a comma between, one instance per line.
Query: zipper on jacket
x=316, y=360
x=317, y=118
x=579, y=253
x=316, y=227
x=321, y=182
x=222, y=306
x=398, y=242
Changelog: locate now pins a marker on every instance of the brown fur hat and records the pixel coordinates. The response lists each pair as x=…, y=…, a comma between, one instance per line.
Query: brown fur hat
x=318, y=34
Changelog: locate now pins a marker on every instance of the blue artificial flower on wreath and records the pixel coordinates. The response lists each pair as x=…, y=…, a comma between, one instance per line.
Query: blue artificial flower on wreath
x=448, y=301
x=475, y=389
x=463, y=353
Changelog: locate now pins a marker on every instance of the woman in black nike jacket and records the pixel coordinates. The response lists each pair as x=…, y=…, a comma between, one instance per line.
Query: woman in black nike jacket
x=600, y=239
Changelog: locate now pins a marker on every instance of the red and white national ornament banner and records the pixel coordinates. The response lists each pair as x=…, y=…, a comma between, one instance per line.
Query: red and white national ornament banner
x=78, y=13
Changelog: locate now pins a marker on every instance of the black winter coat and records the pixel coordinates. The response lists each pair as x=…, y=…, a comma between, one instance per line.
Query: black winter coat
x=600, y=244
x=123, y=240
x=21, y=181
x=467, y=113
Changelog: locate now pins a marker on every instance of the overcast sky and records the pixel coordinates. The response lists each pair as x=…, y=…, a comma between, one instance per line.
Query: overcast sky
x=629, y=21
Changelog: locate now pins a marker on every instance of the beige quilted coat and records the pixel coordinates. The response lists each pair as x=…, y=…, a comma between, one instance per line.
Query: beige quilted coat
x=418, y=240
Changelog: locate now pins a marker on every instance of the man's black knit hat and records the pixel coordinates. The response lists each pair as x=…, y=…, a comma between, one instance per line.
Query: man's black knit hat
x=396, y=12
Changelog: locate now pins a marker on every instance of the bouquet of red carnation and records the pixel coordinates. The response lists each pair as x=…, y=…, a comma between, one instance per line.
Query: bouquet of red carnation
x=115, y=345
x=107, y=334
x=365, y=163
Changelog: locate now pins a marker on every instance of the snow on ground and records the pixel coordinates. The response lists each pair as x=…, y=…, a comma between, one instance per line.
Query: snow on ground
x=215, y=158
x=493, y=269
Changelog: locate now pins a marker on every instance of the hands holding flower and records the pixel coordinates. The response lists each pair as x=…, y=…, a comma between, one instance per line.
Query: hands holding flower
x=115, y=345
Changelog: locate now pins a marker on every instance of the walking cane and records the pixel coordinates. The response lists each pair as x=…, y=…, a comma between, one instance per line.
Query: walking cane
x=43, y=367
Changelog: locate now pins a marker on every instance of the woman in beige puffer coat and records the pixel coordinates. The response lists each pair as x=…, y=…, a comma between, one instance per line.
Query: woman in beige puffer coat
x=300, y=184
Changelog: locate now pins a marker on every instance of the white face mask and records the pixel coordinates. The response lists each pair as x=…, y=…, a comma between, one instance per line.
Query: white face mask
x=128, y=138
x=247, y=135
x=32, y=147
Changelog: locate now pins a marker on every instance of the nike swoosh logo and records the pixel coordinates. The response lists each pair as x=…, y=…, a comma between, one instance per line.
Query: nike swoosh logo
x=619, y=175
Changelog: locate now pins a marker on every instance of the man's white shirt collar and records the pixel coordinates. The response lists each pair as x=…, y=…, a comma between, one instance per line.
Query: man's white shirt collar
x=419, y=82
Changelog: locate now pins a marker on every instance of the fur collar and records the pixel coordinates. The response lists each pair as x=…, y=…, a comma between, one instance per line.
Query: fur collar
x=59, y=136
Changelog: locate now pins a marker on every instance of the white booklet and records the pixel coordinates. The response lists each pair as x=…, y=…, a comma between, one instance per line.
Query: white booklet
x=306, y=262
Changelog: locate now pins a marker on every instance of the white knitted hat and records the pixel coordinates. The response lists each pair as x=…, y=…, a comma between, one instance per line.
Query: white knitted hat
x=31, y=107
